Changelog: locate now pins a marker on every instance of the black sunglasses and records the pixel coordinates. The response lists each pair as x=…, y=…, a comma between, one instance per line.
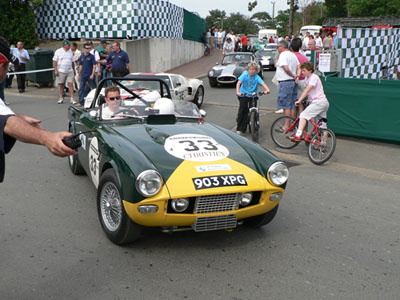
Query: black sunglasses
x=87, y=48
x=114, y=98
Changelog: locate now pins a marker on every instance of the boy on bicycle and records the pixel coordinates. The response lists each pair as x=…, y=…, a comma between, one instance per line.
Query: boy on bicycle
x=319, y=104
x=246, y=86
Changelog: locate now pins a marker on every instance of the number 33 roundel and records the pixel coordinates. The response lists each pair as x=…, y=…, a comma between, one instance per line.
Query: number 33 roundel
x=195, y=147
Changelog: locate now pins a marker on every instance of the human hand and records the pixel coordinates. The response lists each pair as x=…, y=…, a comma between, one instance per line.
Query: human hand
x=32, y=121
x=298, y=102
x=239, y=94
x=91, y=76
x=56, y=73
x=53, y=142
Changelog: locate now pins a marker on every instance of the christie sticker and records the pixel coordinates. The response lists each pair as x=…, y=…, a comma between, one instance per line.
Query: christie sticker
x=195, y=147
x=218, y=181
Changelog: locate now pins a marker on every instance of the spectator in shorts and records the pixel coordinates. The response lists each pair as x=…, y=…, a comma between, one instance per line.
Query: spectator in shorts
x=64, y=69
x=286, y=69
x=229, y=46
x=319, y=104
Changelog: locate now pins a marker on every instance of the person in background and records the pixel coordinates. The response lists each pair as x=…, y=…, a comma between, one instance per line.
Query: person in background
x=220, y=39
x=286, y=75
x=311, y=43
x=271, y=40
x=295, y=47
x=102, y=50
x=23, y=58
x=334, y=40
x=119, y=60
x=305, y=41
x=245, y=42
x=87, y=68
x=208, y=37
x=318, y=41
x=327, y=42
x=96, y=55
x=216, y=36
x=77, y=55
x=64, y=69
x=229, y=47
x=21, y=127
x=237, y=42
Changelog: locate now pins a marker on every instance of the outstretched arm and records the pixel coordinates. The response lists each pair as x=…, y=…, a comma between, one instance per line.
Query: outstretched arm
x=21, y=130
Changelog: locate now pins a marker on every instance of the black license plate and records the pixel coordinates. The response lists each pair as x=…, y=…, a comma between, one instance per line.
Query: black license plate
x=218, y=181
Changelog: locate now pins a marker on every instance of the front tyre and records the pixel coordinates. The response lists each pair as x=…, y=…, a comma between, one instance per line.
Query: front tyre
x=321, y=148
x=253, y=122
x=74, y=163
x=261, y=220
x=213, y=82
x=199, y=97
x=118, y=227
x=280, y=136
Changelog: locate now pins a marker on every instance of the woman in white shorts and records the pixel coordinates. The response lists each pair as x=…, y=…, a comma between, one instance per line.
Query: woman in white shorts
x=319, y=104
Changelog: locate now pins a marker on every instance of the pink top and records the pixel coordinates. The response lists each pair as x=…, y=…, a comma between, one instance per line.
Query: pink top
x=301, y=58
x=317, y=91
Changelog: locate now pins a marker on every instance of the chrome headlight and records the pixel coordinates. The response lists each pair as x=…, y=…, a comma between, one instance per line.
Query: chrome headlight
x=245, y=198
x=180, y=204
x=278, y=173
x=211, y=73
x=148, y=183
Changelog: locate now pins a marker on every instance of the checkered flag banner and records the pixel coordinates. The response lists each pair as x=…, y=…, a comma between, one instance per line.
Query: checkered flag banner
x=95, y=19
x=366, y=51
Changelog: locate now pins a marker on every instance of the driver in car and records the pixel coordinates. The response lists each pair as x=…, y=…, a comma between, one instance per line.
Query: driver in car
x=112, y=110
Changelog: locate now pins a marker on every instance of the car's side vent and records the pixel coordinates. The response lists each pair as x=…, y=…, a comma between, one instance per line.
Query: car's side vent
x=190, y=91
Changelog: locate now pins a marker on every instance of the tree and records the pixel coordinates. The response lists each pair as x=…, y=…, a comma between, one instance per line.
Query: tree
x=282, y=22
x=312, y=12
x=18, y=21
x=336, y=8
x=239, y=23
x=368, y=8
x=216, y=18
x=262, y=19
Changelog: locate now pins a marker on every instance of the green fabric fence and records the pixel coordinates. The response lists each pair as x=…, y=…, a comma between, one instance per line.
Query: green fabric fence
x=366, y=108
x=193, y=26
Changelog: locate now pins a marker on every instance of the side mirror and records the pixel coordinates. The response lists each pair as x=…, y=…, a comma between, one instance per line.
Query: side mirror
x=93, y=114
x=178, y=84
x=217, y=63
x=203, y=113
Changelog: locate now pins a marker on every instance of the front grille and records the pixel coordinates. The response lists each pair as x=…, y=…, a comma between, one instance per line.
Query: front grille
x=216, y=203
x=227, y=79
x=215, y=223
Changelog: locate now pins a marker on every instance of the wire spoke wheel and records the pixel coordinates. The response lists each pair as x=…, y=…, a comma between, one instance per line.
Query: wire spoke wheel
x=322, y=147
x=280, y=135
x=111, y=206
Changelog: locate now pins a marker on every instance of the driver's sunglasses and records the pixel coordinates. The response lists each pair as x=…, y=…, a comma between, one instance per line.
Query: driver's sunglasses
x=114, y=98
x=87, y=48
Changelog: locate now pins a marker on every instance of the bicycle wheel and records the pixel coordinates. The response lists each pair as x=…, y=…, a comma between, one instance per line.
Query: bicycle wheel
x=282, y=137
x=253, y=125
x=320, y=152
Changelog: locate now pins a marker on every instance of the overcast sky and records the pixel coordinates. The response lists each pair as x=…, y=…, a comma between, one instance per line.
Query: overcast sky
x=230, y=6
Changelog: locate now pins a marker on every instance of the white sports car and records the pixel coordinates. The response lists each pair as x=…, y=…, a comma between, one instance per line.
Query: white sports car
x=181, y=87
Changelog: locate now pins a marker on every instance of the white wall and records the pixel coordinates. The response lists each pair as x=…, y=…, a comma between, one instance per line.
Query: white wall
x=161, y=54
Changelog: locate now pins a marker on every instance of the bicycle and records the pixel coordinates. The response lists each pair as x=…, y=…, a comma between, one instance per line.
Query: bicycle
x=207, y=50
x=321, y=142
x=253, y=118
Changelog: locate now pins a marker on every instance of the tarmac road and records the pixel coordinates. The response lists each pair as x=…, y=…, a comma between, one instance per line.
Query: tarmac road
x=336, y=234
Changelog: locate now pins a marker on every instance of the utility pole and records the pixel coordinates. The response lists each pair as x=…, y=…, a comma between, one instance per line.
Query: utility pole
x=273, y=11
x=291, y=16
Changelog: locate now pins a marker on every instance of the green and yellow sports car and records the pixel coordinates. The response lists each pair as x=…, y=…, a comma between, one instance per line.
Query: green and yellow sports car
x=157, y=163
